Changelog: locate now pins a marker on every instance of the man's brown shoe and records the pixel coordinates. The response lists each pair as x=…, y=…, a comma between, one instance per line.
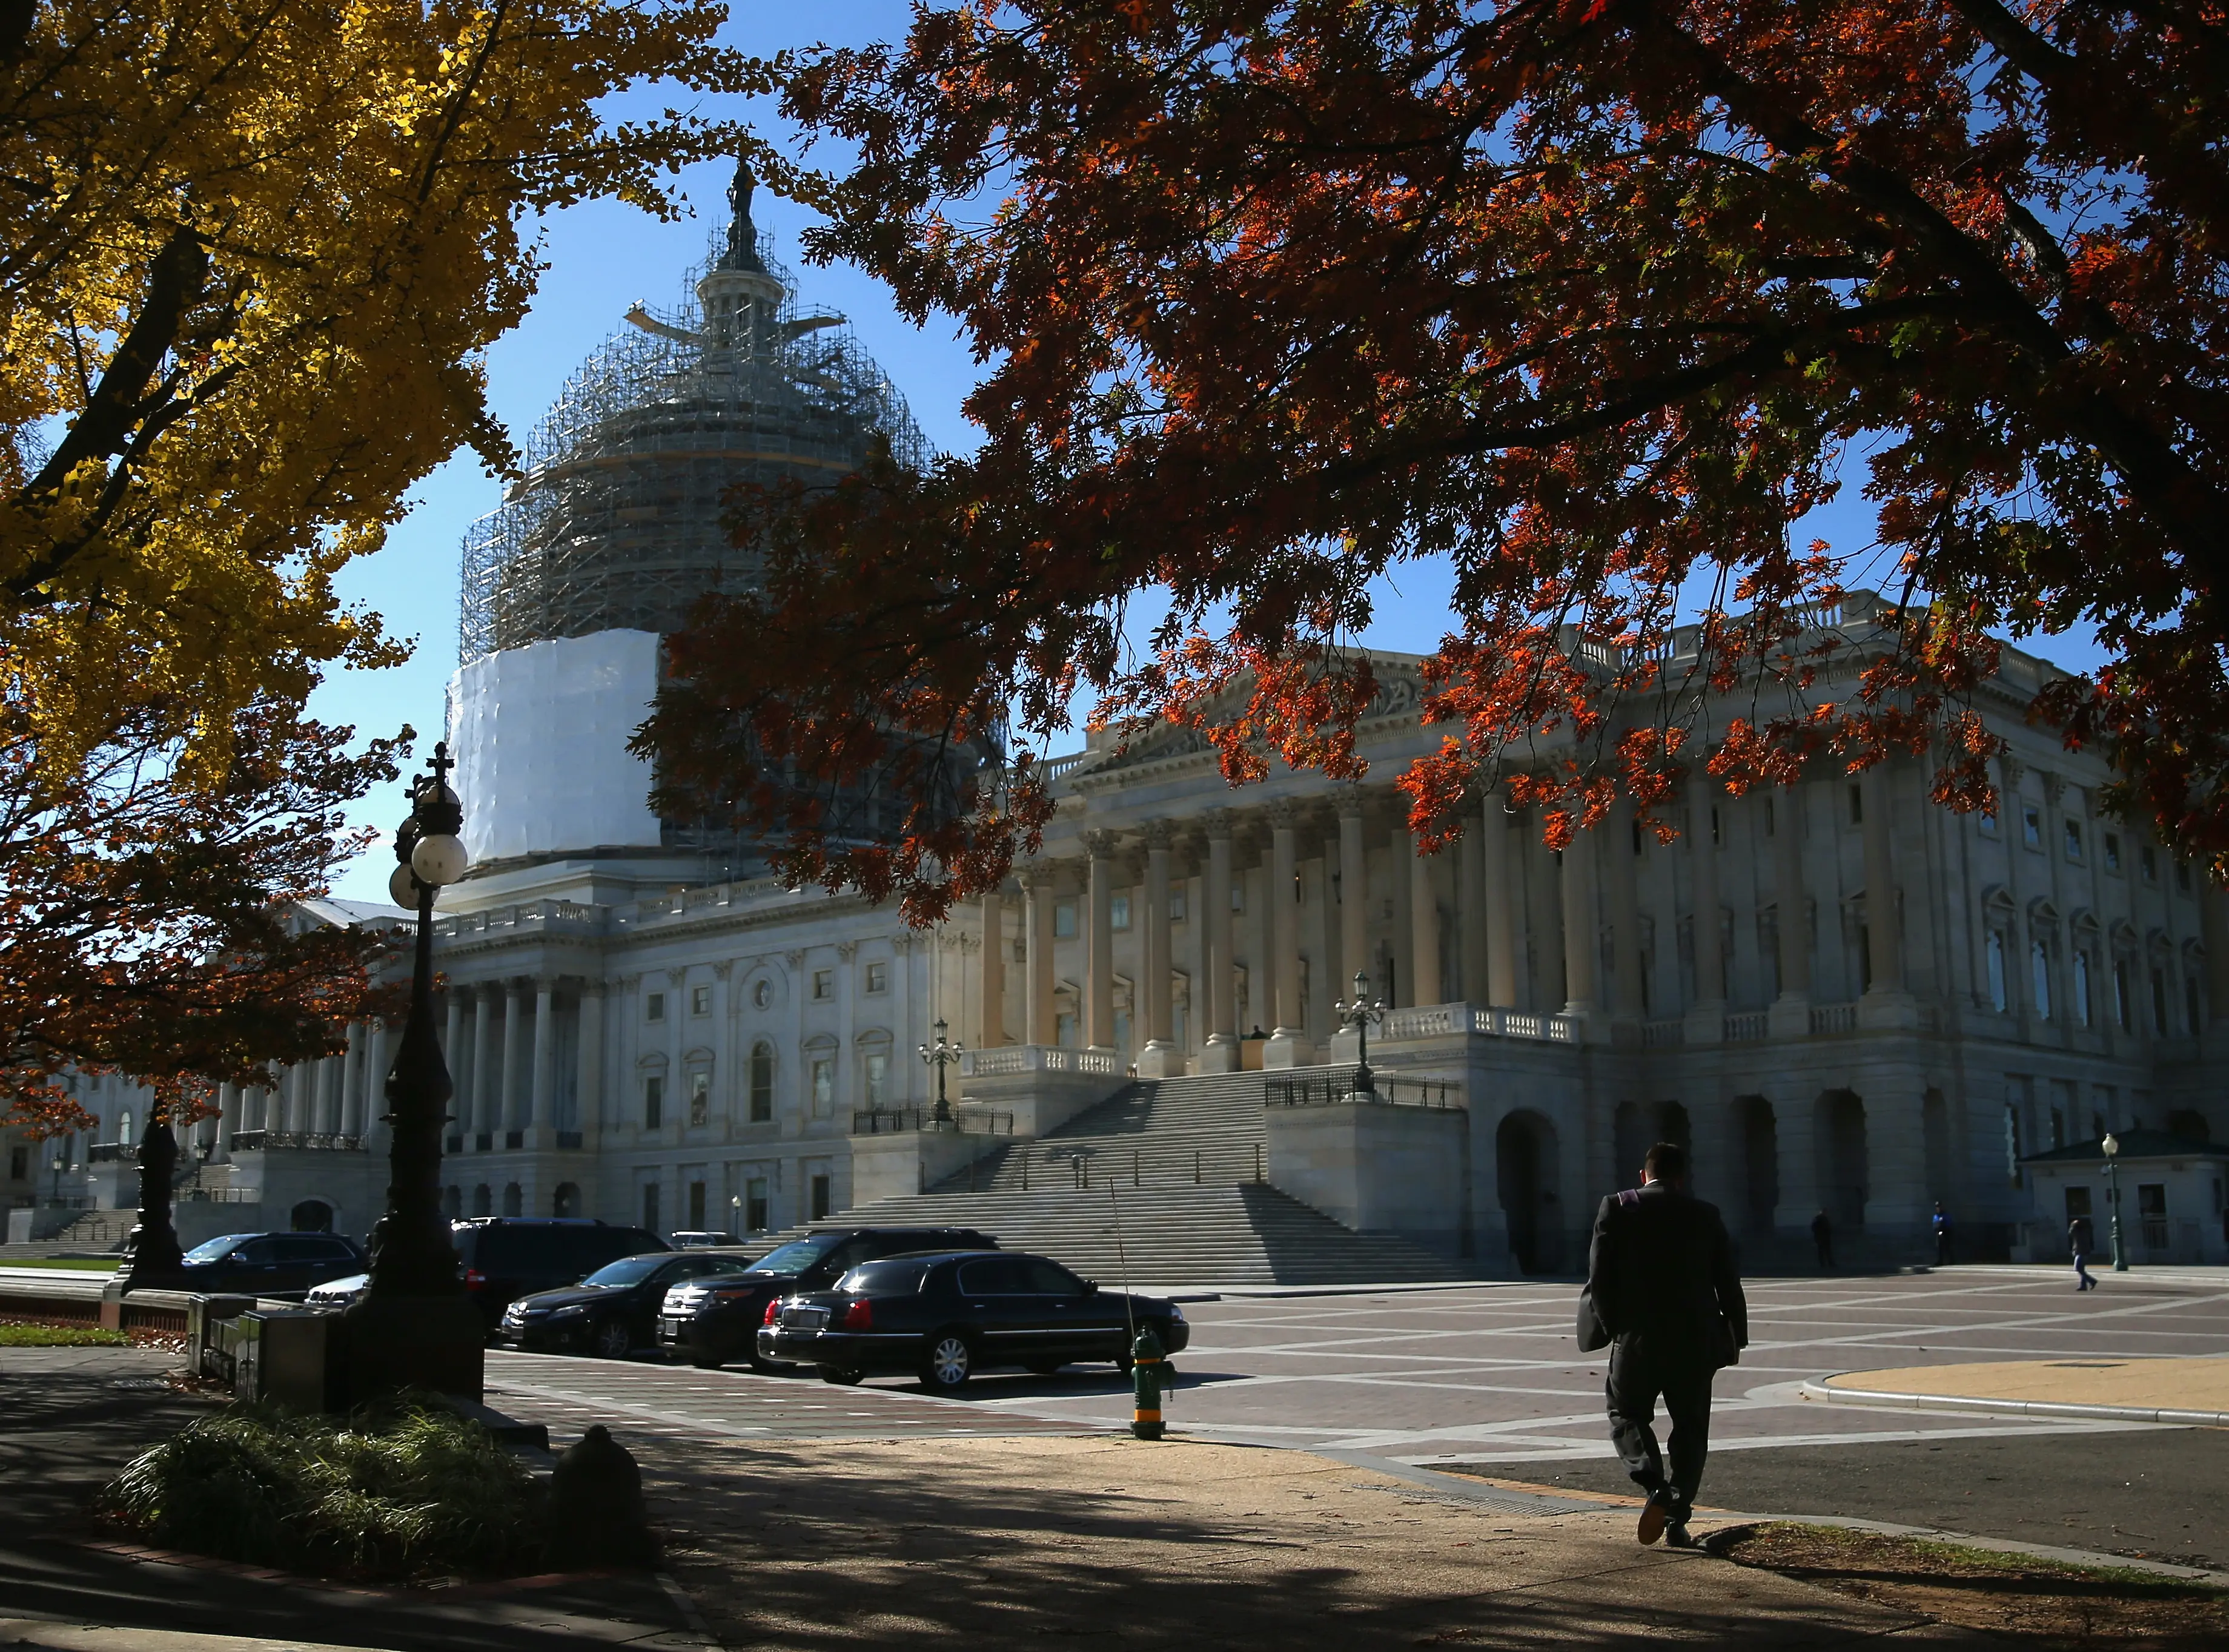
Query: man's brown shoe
x=1655, y=1516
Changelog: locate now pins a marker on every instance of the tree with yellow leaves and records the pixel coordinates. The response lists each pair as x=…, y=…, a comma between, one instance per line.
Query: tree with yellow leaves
x=250, y=253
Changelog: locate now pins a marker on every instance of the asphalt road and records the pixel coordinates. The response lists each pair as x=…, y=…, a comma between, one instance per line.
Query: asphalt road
x=2154, y=1493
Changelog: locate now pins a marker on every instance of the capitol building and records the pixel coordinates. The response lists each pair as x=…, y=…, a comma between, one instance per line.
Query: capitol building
x=1846, y=999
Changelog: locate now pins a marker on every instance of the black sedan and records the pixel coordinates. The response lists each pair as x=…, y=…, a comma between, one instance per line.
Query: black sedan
x=943, y=1318
x=611, y=1311
x=270, y=1265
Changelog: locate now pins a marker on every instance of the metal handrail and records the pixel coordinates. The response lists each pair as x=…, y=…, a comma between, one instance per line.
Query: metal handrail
x=897, y=1121
x=1440, y=1094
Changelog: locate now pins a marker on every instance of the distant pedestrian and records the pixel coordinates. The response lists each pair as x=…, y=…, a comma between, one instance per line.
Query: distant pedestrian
x=2079, y=1241
x=1942, y=1225
x=1661, y=1279
x=1822, y=1238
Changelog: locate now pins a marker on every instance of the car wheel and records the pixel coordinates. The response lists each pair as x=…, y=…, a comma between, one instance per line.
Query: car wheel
x=708, y=1362
x=615, y=1339
x=842, y=1376
x=948, y=1362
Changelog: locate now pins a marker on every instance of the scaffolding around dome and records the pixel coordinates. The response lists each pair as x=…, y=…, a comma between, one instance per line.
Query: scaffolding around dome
x=617, y=522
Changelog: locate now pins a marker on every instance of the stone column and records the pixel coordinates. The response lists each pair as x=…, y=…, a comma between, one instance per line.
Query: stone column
x=1628, y=1000
x=2213, y=927
x=452, y=1050
x=514, y=1030
x=590, y=1081
x=374, y=1133
x=1219, y=1050
x=1582, y=928
x=1353, y=893
x=481, y=1107
x=1038, y=1012
x=1158, y=1055
x=1099, y=944
x=293, y=1108
x=992, y=1032
x=1288, y=1045
x=1885, y=1003
x=352, y=1083
x=228, y=1121
x=539, y=1106
x=1504, y=900
x=1425, y=986
x=1707, y=1015
x=1790, y=1015
x=1470, y=916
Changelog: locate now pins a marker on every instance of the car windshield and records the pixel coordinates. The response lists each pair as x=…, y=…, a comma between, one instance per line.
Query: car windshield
x=896, y=1276
x=216, y=1250
x=627, y=1270
x=797, y=1256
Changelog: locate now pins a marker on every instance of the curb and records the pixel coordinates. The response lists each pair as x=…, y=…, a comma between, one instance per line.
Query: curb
x=2014, y=1407
x=2091, y=1558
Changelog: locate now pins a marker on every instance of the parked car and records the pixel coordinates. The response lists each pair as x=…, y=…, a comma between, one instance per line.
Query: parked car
x=504, y=1257
x=697, y=1241
x=610, y=1312
x=270, y=1265
x=339, y=1293
x=709, y=1321
x=945, y=1317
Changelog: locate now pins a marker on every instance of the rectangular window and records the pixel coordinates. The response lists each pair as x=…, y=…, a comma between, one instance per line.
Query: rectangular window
x=2159, y=1003
x=2038, y=957
x=2151, y=1211
x=2148, y=859
x=2123, y=1011
x=1118, y=911
x=2183, y=876
x=2031, y=827
x=2083, y=1011
x=1998, y=1000
x=754, y=1205
x=650, y=1212
x=824, y=984
x=824, y=1201
x=1986, y=821
x=2112, y=851
x=653, y=1008
x=19, y=1164
x=824, y=1085
x=1176, y=906
x=1064, y=920
x=696, y=1206
x=1063, y=1030
x=2072, y=829
x=2077, y=1203
x=700, y=1001
x=1237, y=896
x=700, y=1097
x=878, y=978
x=1123, y=1029
x=878, y=1078
x=1857, y=805
x=654, y=1101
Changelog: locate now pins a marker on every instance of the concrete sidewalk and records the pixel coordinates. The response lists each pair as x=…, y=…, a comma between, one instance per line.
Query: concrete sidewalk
x=2193, y=1391
x=806, y=1545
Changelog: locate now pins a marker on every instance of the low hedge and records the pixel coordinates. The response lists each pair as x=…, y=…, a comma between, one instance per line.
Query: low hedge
x=406, y=1489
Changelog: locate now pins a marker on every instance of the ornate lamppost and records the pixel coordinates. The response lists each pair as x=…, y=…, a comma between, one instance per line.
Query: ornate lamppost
x=158, y=1259
x=1359, y=1012
x=2112, y=1146
x=940, y=1055
x=414, y=1325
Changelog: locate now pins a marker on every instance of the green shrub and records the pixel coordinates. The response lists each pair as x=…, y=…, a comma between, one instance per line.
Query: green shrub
x=407, y=1489
x=61, y=1336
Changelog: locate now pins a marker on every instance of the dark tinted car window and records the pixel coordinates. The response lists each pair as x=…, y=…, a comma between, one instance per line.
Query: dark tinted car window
x=886, y=1278
x=995, y=1276
x=304, y=1248
x=1049, y=1277
x=262, y=1252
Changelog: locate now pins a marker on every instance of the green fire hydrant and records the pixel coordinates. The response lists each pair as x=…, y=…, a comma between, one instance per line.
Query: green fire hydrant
x=1148, y=1365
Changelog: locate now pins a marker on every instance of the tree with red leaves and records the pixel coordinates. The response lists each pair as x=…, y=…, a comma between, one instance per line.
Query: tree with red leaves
x=1593, y=298
x=144, y=919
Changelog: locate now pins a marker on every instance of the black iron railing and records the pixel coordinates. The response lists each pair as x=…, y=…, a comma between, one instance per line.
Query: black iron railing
x=897, y=1121
x=275, y=1140
x=1441, y=1093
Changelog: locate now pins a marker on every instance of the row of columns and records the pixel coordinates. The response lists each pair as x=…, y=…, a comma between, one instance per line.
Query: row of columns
x=488, y=1101
x=1492, y=947
x=337, y=1095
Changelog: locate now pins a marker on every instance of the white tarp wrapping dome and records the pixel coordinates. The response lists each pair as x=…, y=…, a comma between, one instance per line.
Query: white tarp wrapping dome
x=540, y=735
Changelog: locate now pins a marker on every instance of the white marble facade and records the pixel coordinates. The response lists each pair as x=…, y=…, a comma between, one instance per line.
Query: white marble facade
x=634, y=1040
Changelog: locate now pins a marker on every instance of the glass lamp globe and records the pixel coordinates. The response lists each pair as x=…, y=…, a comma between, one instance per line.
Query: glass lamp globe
x=439, y=859
x=402, y=888
x=2111, y=1144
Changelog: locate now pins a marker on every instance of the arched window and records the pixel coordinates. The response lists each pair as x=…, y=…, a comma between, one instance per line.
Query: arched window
x=1997, y=999
x=2082, y=1013
x=761, y=1082
x=452, y=1203
x=2038, y=957
x=566, y=1202
x=483, y=1200
x=514, y=1200
x=123, y=1125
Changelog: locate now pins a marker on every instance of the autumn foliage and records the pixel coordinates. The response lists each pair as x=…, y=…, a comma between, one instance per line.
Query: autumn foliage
x=1594, y=298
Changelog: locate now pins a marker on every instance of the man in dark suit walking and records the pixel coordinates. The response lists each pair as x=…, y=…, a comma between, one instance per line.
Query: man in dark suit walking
x=1662, y=1277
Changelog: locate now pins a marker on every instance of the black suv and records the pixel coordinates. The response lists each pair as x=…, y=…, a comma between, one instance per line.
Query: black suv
x=503, y=1257
x=943, y=1318
x=611, y=1311
x=270, y=1265
x=709, y=1321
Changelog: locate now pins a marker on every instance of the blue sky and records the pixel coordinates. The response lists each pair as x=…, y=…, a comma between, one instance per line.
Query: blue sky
x=602, y=257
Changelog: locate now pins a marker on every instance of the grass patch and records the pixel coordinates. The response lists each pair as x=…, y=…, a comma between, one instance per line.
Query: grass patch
x=61, y=1336
x=404, y=1490
x=73, y=1263
x=2044, y=1602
